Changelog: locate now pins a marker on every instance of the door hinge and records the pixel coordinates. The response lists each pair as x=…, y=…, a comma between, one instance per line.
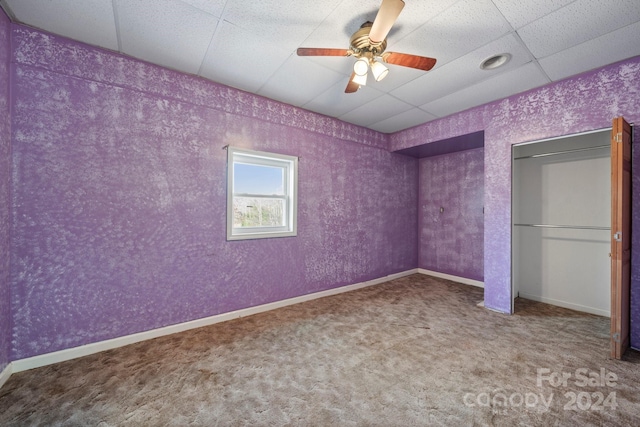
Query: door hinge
x=616, y=337
x=618, y=236
x=618, y=137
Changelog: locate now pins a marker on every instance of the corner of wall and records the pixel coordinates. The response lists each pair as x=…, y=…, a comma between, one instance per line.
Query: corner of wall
x=5, y=374
x=6, y=321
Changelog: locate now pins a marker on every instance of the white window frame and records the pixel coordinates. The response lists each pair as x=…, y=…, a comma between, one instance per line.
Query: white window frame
x=261, y=158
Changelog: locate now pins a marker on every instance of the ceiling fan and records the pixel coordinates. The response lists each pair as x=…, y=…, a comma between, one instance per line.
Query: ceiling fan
x=368, y=45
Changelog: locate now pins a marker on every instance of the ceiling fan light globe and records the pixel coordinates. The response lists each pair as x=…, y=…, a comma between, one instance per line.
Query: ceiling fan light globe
x=379, y=71
x=361, y=67
x=360, y=79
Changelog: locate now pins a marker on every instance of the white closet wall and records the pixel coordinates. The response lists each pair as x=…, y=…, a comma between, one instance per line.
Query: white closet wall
x=568, y=266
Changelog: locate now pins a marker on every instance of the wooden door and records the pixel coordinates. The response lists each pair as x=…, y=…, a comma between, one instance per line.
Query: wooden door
x=620, y=235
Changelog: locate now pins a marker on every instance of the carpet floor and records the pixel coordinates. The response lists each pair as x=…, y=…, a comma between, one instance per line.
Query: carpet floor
x=410, y=352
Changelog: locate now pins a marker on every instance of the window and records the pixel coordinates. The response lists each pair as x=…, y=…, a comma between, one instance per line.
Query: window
x=261, y=194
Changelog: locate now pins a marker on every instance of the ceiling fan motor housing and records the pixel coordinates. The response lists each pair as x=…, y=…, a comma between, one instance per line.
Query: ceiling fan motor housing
x=362, y=46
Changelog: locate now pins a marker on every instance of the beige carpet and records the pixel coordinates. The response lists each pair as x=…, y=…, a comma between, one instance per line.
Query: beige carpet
x=414, y=351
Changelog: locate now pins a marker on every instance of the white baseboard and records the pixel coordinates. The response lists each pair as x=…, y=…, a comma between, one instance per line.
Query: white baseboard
x=572, y=306
x=5, y=374
x=85, y=350
x=462, y=280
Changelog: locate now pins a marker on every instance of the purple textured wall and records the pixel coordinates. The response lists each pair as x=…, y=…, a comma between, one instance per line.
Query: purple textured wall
x=582, y=103
x=5, y=198
x=451, y=241
x=120, y=198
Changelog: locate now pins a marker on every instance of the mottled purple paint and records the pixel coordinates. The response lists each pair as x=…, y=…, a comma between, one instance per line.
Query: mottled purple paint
x=450, y=217
x=120, y=198
x=5, y=196
x=582, y=103
x=73, y=59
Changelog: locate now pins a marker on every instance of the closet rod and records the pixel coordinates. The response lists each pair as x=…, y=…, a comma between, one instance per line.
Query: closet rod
x=575, y=227
x=562, y=152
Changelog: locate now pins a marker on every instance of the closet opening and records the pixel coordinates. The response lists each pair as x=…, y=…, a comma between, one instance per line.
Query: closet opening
x=561, y=222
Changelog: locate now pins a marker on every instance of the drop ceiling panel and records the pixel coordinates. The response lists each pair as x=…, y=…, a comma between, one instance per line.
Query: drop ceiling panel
x=171, y=33
x=345, y=19
x=577, y=23
x=335, y=102
x=517, y=80
x=611, y=47
x=299, y=81
x=377, y=110
x=397, y=77
x=341, y=64
x=457, y=31
x=404, y=120
x=287, y=22
x=227, y=60
x=336, y=30
x=462, y=72
x=520, y=13
x=415, y=14
x=91, y=21
x=214, y=7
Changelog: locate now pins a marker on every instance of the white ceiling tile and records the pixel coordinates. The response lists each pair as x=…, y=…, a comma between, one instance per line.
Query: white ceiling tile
x=462, y=72
x=336, y=29
x=166, y=32
x=405, y=120
x=341, y=64
x=503, y=85
x=287, y=23
x=214, y=7
x=299, y=81
x=228, y=60
x=335, y=102
x=91, y=21
x=520, y=13
x=576, y=23
x=612, y=47
x=415, y=14
x=377, y=110
x=457, y=31
x=397, y=77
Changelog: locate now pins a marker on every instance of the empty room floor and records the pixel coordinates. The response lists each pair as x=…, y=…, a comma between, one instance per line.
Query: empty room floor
x=413, y=351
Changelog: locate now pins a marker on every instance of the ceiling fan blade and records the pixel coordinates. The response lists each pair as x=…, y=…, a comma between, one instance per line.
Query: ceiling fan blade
x=386, y=17
x=315, y=51
x=352, y=86
x=406, y=60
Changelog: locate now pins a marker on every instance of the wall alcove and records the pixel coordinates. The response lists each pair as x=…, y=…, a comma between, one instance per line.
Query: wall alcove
x=450, y=207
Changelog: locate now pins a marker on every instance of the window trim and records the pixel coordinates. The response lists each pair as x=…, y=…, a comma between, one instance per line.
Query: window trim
x=262, y=158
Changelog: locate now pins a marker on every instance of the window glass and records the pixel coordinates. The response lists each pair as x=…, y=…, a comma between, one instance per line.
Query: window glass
x=258, y=179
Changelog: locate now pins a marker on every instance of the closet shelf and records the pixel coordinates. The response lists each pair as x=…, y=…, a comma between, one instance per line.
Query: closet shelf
x=575, y=227
x=533, y=156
